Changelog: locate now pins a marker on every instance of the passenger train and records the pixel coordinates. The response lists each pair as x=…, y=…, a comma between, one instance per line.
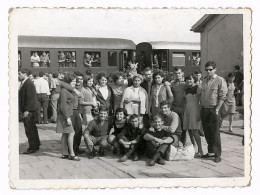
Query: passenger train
x=50, y=54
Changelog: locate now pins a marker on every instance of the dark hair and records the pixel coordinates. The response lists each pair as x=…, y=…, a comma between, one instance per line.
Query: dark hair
x=165, y=102
x=237, y=67
x=78, y=73
x=177, y=68
x=121, y=110
x=55, y=75
x=89, y=72
x=160, y=73
x=211, y=63
x=100, y=75
x=158, y=116
x=133, y=116
x=41, y=73
x=25, y=71
x=231, y=75
x=68, y=78
x=103, y=109
x=147, y=69
x=197, y=72
x=36, y=74
x=86, y=79
x=189, y=76
x=116, y=76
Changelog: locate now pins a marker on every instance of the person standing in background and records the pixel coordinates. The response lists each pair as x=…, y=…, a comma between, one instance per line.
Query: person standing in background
x=213, y=94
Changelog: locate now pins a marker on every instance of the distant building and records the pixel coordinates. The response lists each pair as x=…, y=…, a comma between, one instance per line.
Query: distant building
x=221, y=41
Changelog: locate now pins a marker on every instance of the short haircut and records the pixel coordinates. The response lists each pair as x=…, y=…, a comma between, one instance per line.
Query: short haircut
x=24, y=71
x=211, y=63
x=89, y=72
x=78, y=73
x=55, y=75
x=41, y=73
x=158, y=116
x=137, y=76
x=133, y=116
x=189, y=76
x=147, y=69
x=237, y=67
x=103, y=109
x=115, y=76
x=100, y=75
x=197, y=72
x=86, y=79
x=165, y=102
x=68, y=78
x=177, y=68
x=231, y=75
x=160, y=73
x=121, y=110
x=35, y=75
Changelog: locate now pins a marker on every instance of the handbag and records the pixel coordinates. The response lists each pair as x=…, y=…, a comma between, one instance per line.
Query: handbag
x=181, y=153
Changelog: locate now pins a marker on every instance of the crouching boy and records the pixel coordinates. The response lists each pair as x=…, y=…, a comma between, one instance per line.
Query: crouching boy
x=129, y=138
x=97, y=132
x=158, y=141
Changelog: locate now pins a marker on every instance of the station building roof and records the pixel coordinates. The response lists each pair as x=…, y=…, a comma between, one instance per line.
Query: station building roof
x=74, y=42
x=200, y=25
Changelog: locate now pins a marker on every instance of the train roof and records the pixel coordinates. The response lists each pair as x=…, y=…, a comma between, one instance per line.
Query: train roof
x=74, y=42
x=175, y=45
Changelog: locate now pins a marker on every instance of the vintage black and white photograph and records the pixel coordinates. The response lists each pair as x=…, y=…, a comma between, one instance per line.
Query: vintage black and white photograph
x=124, y=96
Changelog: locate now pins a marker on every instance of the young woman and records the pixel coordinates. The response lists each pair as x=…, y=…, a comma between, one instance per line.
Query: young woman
x=229, y=106
x=104, y=92
x=191, y=119
x=160, y=91
x=64, y=122
x=119, y=124
x=135, y=98
x=118, y=87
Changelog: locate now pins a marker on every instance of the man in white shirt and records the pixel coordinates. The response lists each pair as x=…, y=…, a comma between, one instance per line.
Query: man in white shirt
x=43, y=92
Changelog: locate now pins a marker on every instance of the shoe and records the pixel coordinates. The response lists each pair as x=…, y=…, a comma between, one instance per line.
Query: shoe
x=201, y=133
x=79, y=151
x=198, y=155
x=136, y=157
x=74, y=158
x=63, y=156
x=152, y=163
x=29, y=151
x=123, y=158
x=161, y=161
x=208, y=155
x=91, y=155
x=217, y=159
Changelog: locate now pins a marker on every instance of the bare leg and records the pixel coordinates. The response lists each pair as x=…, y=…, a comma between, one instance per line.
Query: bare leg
x=192, y=138
x=198, y=140
x=64, y=143
x=231, y=122
x=70, y=143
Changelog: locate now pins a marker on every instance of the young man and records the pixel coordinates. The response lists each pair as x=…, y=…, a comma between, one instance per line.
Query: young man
x=28, y=105
x=129, y=138
x=213, y=94
x=178, y=89
x=43, y=92
x=97, y=132
x=158, y=141
x=199, y=76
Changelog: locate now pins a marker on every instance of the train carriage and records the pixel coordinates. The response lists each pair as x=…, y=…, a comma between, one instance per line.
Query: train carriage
x=167, y=55
x=50, y=54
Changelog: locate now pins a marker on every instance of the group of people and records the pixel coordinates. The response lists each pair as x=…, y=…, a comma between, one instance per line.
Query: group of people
x=40, y=61
x=67, y=59
x=141, y=114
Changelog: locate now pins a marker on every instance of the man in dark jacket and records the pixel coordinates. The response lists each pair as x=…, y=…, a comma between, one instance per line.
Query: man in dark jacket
x=28, y=105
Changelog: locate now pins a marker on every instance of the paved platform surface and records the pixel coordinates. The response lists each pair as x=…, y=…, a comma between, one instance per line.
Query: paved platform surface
x=47, y=164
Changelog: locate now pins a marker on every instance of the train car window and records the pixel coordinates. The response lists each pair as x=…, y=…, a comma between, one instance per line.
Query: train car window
x=67, y=59
x=178, y=59
x=92, y=59
x=19, y=59
x=196, y=58
x=40, y=59
x=112, y=58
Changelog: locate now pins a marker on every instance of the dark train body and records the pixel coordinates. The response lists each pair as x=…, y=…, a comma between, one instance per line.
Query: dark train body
x=103, y=54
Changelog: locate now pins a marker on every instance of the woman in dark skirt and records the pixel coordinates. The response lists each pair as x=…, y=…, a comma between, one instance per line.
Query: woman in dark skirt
x=64, y=123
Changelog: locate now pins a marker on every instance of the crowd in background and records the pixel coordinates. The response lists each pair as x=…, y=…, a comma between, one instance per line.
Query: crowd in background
x=135, y=114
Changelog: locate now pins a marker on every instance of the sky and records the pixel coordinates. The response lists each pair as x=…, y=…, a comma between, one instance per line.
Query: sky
x=136, y=24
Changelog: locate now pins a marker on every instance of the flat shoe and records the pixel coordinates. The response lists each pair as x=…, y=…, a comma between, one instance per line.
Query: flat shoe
x=29, y=151
x=74, y=158
x=217, y=159
x=63, y=156
x=207, y=156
